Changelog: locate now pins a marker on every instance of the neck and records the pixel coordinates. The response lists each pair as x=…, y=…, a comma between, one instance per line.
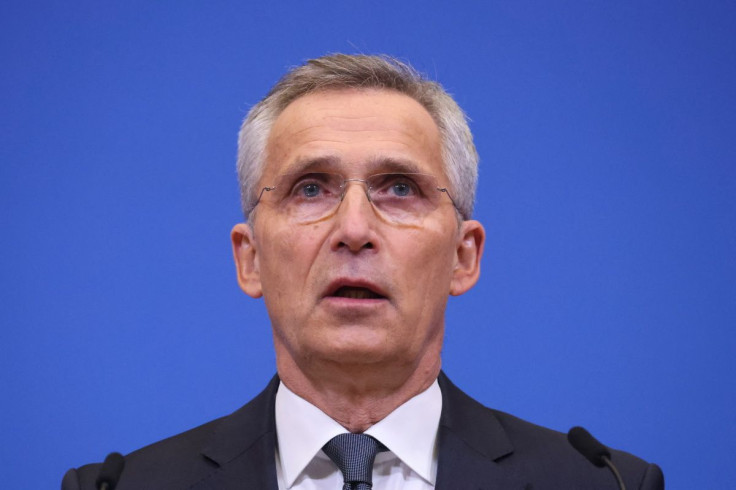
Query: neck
x=358, y=396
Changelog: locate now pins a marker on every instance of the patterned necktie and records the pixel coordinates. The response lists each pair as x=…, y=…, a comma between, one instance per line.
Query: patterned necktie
x=354, y=455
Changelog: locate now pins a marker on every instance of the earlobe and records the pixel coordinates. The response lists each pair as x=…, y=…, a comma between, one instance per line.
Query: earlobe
x=245, y=254
x=469, y=251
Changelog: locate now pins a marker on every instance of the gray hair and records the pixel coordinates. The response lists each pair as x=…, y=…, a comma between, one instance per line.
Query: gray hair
x=341, y=71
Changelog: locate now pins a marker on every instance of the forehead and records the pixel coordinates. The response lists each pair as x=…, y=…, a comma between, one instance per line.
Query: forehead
x=356, y=131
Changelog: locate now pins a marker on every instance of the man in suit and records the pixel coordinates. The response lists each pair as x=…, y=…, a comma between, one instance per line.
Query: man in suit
x=357, y=180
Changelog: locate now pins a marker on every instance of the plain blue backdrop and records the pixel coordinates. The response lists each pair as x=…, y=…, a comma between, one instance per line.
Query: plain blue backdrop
x=607, y=187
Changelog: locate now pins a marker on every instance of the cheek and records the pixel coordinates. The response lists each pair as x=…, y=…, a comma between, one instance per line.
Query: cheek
x=287, y=258
x=428, y=262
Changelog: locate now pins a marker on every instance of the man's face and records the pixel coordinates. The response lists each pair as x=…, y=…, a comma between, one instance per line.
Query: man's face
x=355, y=288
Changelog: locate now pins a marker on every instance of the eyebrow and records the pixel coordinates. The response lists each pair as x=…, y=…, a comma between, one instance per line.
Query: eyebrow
x=332, y=163
x=327, y=163
x=393, y=165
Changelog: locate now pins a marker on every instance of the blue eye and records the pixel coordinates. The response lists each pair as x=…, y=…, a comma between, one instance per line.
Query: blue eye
x=395, y=186
x=310, y=190
x=401, y=189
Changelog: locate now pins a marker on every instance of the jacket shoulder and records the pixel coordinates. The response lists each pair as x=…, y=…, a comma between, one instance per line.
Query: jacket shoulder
x=537, y=456
x=556, y=459
x=178, y=456
x=237, y=442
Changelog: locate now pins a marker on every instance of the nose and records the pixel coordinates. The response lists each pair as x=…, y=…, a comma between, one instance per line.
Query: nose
x=355, y=219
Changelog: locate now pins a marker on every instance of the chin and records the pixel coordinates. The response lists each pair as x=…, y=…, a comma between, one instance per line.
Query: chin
x=357, y=351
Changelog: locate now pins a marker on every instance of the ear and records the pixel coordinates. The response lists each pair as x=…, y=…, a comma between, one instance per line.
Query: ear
x=246, y=259
x=471, y=238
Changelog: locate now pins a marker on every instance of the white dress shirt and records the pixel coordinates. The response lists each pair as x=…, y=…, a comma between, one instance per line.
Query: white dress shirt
x=409, y=432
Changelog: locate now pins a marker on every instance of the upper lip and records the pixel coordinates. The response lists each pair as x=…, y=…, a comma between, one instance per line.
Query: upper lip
x=344, y=282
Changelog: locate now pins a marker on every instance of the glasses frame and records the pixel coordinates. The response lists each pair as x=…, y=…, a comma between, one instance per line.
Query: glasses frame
x=344, y=188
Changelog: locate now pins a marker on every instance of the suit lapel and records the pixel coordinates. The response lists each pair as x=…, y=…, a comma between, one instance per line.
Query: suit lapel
x=472, y=443
x=242, y=449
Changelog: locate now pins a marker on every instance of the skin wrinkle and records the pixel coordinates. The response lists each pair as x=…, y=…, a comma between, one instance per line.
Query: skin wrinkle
x=331, y=164
x=357, y=361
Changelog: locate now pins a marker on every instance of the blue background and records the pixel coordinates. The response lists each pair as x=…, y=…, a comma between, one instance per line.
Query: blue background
x=607, y=186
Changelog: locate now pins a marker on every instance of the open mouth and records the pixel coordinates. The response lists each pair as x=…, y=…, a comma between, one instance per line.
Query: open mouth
x=356, y=293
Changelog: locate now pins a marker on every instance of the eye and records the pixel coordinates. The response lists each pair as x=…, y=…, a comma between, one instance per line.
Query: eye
x=401, y=188
x=397, y=186
x=311, y=186
x=309, y=189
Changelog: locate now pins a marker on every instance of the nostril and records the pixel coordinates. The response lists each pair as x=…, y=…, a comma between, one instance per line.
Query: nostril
x=366, y=245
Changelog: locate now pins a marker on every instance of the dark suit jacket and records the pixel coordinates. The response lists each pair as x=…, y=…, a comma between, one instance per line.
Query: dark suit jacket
x=480, y=448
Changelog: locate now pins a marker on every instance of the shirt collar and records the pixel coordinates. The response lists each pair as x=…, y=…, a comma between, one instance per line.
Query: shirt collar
x=302, y=429
x=410, y=432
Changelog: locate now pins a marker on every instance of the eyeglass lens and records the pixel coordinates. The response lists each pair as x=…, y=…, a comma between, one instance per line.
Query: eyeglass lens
x=400, y=197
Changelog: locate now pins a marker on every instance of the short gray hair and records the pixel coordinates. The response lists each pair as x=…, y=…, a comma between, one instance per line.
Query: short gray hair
x=341, y=71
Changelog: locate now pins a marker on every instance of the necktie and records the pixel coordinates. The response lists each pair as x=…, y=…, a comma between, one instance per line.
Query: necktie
x=354, y=455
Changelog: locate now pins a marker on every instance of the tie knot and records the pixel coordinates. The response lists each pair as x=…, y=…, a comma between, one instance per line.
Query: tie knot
x=354, y=455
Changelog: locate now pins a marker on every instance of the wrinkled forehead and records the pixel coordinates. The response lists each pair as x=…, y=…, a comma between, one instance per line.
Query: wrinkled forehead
x=371, y=165
x=348, y=131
